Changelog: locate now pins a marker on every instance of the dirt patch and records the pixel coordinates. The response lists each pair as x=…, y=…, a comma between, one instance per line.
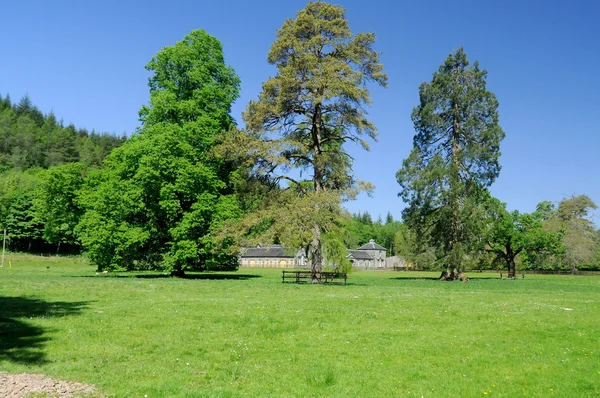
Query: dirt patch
x=27, y=385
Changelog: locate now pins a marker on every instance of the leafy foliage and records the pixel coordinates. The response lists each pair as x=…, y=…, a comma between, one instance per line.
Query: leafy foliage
x=571, y=220
x=512, y=233
x=23, y=225
x=360, y=229
x=38, y=206
x=162, y=194
x=56, y=203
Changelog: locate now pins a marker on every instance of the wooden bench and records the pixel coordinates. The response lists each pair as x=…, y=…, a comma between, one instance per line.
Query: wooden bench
x=307, y=277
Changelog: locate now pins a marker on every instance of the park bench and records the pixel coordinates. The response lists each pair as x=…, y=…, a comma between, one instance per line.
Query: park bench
x=307, y=277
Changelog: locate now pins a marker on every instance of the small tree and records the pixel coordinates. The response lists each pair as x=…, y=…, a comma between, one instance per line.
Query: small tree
x=18, y=213
x=56, y=203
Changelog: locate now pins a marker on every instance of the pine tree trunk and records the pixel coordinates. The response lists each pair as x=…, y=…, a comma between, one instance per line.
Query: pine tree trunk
x=455, y=223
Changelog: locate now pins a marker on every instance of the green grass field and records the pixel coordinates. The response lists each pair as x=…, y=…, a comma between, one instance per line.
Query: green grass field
x=246, y=334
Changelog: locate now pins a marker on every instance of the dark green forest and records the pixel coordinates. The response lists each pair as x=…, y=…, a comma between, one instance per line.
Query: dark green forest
x=189, y=188
x=43, y=164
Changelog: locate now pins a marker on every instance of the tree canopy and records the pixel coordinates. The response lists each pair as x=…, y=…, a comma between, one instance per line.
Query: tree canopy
x=512, y=233
x=28, y=138
x=161, y=195
x=571, y=220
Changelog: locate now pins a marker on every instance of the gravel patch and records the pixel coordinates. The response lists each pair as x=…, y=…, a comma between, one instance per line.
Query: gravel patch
x=28, y=385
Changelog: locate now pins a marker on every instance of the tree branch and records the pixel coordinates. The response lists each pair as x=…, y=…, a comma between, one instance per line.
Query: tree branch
x=298, y=184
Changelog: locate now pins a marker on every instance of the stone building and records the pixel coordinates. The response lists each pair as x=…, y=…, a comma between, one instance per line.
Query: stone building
x=272, y=256
x=369, y=257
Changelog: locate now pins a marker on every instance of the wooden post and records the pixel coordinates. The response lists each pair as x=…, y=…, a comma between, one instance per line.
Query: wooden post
x=3, y=248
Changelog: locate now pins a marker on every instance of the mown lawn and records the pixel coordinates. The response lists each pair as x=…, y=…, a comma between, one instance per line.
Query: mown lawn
x=246, y=334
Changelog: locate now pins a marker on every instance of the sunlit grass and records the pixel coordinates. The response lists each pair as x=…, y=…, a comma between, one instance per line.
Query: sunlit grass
x=385, y=334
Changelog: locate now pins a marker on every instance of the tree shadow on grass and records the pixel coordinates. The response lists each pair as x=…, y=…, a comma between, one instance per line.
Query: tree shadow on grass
x=433, y=278
x=20, y=341
x=233, y=277
x=415, y=278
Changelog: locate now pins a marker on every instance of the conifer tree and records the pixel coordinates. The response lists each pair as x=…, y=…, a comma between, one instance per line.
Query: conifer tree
x=454, y=158
x=305, y=115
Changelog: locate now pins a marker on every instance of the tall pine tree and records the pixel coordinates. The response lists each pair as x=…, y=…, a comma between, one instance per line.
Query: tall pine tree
x=304, y=115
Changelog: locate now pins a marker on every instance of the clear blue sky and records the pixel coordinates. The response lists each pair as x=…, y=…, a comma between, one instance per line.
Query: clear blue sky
x=85, y=61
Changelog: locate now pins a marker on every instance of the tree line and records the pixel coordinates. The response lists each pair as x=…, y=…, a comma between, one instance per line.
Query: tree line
x=43, y=163
x=189, y=188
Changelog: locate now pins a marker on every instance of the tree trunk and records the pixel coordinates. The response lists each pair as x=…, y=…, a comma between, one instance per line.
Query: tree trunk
x=316, y=255
x=453, y=274
x=455, y=269
x=58, y=248
x=574, y=269
x=511, y=268
x=179, y=273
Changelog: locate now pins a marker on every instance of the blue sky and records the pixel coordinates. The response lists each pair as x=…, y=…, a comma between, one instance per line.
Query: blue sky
x=85, y=61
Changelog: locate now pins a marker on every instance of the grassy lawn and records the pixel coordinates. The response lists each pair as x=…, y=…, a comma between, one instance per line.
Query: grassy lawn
x=247, y=334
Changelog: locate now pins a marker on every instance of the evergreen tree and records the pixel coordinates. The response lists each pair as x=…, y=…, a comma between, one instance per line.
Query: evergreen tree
x=389, y=218
x=305, y=114
x=455, y=157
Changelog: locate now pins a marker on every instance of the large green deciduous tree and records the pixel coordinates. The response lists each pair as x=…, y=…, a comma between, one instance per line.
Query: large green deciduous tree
x=454, y=158
x=510, y=234
x=162, y=194
x=304, y=116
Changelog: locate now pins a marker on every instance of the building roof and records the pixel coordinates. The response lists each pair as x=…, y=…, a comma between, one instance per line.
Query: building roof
x=359, y=255
x=268, y=251
x=371, y=246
